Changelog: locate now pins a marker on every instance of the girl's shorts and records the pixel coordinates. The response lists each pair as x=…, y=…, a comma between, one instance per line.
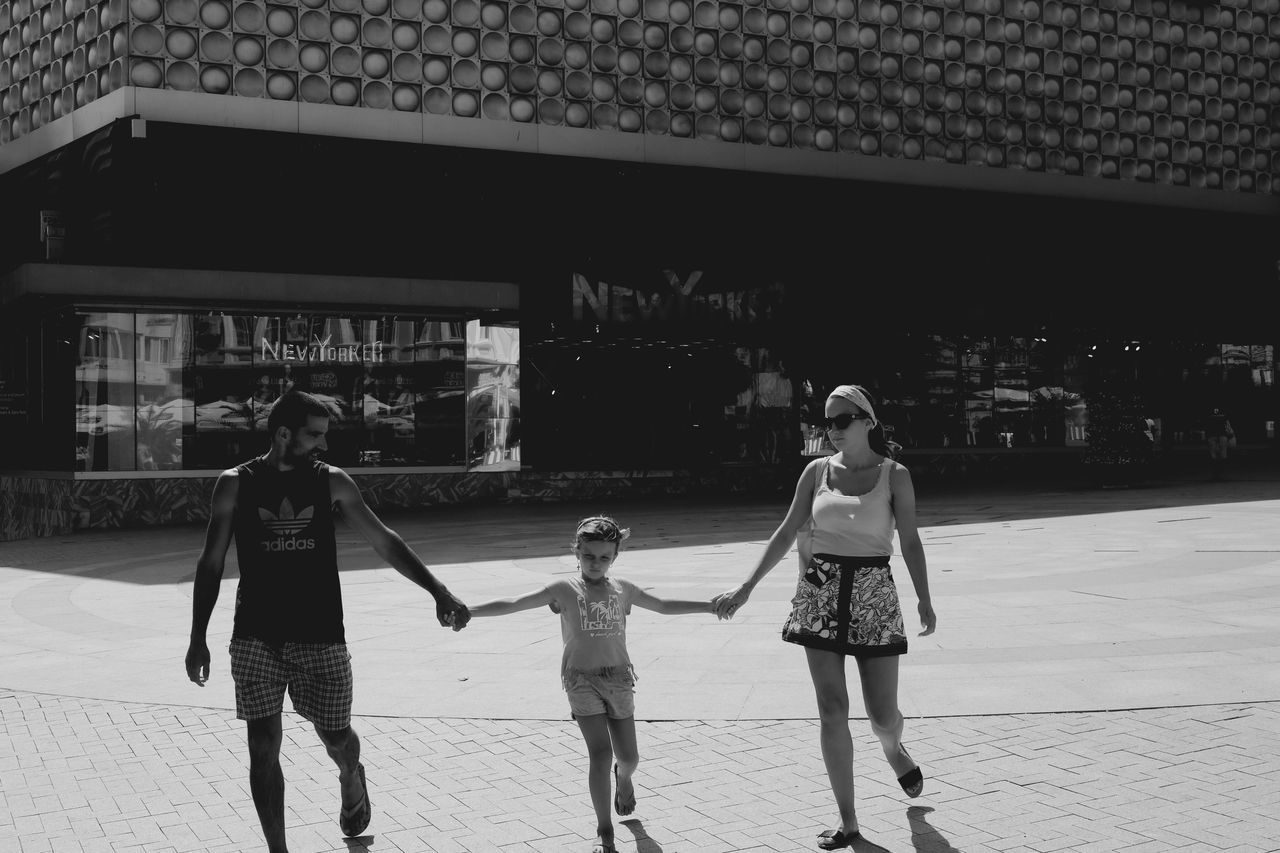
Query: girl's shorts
x=608, y=690
x=847, y=605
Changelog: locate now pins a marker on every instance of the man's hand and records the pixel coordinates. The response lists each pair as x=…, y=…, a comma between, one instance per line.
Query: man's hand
x=451, y=612
x=198, y=662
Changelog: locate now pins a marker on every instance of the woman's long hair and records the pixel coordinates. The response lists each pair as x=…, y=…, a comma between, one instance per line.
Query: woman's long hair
x=876, y=438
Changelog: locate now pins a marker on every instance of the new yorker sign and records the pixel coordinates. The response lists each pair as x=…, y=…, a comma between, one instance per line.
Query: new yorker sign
x=321, y=350
x=674, y=298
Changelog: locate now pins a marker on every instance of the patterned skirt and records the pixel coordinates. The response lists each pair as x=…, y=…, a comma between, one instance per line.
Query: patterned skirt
x=847, y=605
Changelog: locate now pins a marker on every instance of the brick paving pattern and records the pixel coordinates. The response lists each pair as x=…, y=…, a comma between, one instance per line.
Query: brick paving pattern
x=106, y=777
x=1106, y=677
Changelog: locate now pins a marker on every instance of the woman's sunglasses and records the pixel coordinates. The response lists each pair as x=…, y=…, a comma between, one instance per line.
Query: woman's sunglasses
x=842, y=421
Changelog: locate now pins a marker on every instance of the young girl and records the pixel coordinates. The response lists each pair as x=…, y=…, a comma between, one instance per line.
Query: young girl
x=596, y=670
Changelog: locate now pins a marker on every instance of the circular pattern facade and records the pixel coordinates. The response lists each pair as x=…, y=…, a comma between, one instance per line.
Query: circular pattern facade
x=1144, y=90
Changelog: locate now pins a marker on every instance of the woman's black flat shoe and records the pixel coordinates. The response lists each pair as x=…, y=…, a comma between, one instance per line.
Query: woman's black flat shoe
x=912, y=781
x=836, y=839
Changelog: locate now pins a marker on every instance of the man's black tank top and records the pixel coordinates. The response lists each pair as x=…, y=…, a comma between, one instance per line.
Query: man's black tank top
x=289, y=589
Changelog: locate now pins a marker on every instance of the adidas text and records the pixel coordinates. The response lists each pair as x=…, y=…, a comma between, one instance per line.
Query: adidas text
x=283, y=544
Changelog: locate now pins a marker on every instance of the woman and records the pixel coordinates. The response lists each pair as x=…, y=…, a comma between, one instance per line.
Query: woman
x=846, y=602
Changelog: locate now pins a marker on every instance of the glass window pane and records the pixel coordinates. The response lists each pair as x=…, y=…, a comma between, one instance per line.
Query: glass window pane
x=1012, y=396
x=1235, y=355
x=439, y=340
x=105, y=428
x=497, y=344
x=493, y=397
x=979, y=380
x=15, y=409
x=439, y=416
x=323, y=355
x=166, y=412
x=223, y=383
x=494, y=444
x=1075, y=409
x=1262, y=365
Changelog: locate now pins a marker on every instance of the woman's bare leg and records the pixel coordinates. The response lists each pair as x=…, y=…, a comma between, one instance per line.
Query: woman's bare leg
x=832, y=692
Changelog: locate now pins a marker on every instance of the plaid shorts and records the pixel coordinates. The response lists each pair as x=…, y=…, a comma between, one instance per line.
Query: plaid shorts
x=317, y=676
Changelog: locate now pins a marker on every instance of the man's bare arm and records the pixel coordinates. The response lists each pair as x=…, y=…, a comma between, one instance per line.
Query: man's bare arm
x=209, y=570
x=349, y=503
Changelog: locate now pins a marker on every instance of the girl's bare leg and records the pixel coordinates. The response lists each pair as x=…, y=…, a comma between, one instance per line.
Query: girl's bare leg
x=595, y=731
x=623, y=733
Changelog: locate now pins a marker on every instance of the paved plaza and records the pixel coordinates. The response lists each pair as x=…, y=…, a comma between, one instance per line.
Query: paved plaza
x=1104, y=677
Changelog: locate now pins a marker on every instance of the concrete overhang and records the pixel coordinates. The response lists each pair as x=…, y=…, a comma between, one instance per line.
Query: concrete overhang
x=163, y=105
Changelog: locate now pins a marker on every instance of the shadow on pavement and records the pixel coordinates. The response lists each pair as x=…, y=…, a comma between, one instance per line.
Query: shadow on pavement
x=864, y=845
x=644, y=843
x=923, y=836
x=497, y=532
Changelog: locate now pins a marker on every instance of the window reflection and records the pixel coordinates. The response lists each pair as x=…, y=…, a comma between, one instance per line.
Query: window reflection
x=172, y=391
x=105, y=429
x=166, y=417
x=493, y=397
x=222, y=386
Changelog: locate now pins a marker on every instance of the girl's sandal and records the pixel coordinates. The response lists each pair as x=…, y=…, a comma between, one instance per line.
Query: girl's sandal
x=622, y=808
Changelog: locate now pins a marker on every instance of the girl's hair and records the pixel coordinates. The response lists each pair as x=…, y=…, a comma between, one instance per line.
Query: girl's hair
x=875, y=436
x=600, y=528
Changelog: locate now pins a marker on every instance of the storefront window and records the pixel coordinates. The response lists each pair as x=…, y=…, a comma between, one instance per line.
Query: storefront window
x=1262, y=361
x=15, y=412
x=222, y=387
x=183, y=391
x=938, y=418
x=1046, y=395
x=1011, y=394
x=166, y=413
x=106, y=432
x=493, y=397
x=978, y=377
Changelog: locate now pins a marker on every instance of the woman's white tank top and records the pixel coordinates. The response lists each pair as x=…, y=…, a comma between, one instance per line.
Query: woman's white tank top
x=853, y=525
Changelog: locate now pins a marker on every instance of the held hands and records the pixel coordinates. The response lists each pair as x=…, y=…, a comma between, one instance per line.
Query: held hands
x=726, y=604
x=198, y=662
x=927, y=618
x=451, y=612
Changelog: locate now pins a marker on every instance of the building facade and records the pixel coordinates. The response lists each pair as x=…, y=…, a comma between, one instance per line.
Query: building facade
x=583, y=247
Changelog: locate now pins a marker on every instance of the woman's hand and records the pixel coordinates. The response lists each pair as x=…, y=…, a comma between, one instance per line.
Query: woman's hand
x=927, y=618
x=726, y=604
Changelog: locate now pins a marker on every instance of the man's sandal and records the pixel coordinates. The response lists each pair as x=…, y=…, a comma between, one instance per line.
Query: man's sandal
x=356, y=819
x=836, y=839
x=912, y=781
x=601, y=847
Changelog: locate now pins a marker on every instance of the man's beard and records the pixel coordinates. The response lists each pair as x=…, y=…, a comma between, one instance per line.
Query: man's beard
x=296, y=457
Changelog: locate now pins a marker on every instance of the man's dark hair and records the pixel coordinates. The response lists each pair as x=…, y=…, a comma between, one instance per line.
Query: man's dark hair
x=292, y=410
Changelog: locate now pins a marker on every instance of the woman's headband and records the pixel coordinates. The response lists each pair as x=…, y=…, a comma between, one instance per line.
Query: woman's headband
x=854, y=395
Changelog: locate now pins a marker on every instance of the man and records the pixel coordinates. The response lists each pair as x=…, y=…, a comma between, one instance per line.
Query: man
x=1218, y=434
x=288, y=632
